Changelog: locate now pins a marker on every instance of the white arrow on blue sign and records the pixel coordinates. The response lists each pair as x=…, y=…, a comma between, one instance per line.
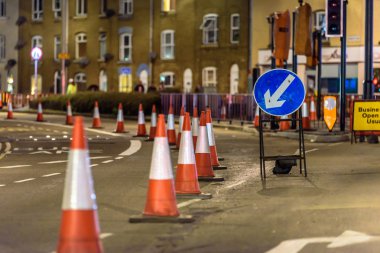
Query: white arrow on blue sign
x=279, y=92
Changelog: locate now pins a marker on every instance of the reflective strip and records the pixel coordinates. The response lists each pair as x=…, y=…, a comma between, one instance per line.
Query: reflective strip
x=141, y=119
x=120, y=116
x=202, y=141
x=39, y=108
x=161, y=164
x=305, y=112
x=10, y=107
x=96, y=113
x=186, y=149
x=69, y=112
x=210, y=134
x=181, y=118
x=223, y=110
x=171, y=121
x=79, y=189
x=312, y=106
x=195, y=127
x=153, y=119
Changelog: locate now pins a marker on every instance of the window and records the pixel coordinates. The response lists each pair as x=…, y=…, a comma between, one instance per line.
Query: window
x=37, y=10
x=125, y=80
x=57, y=8
x=80, y=45
x=210, y=29
x=125, y=53
x=102, y=45
x=3, y=12
x=167, y=79
x=80, y=78
x=168, y=5
x=102, y=80
x=126, y=7
x=37, y=41
x=81, y=8
x=57, y=82
x=57, y=46
x=209, y=77
x=103, y=7
x=167, y=44
x=2, y=47
x=235, y=28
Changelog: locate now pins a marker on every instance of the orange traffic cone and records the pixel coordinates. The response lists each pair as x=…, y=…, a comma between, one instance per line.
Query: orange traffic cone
x=79, y=223
x=1, y=101
x=120, y=120
x=181, y=118
x=256, y=122
x=313, y=111
x=223, y=112
x=195, y=126
x=96, y=123
x=211, y=141
x=186, y=182
x=40, y=117
x=305, y=117
x=161, y=202
x=153, y=124
x=141, y=129
x=10, y=109
x=69, y=114
x=284, y=125
x=202, y=154
x=171, y=130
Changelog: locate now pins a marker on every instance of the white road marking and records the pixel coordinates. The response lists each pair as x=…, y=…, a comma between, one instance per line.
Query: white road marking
x=24, y=180
x=105, y=235
x=135, y=146
x=118, y=158
x=53, y=162
x=307, y=151
x=334, y=144
x=2, y=185
x=99, y=157
x=6, y=150
x=108, y=161
x=236, y=184
x=50, y=175
x=15, y=166
x=94, y=165
x=187, y=203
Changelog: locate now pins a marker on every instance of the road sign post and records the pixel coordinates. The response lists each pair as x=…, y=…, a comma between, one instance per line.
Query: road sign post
x=36, y=55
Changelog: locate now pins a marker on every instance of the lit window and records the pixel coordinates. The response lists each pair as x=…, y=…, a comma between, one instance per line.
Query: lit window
x=57, y=8
x=126, y=7
x=167, y=79
x=37, y=41
x=125, y=53
x=210, y=29
x=2, y=47
x=2, y=8
x=168, y=5
x=102, y=81
x=80, y=78
x=57, y=46
x=103, y=7
x=81, y=8
x=235, y=28
x=209, y=77
x=102, y=45
x=37, y=9
x=167, y=44
x=80, y=45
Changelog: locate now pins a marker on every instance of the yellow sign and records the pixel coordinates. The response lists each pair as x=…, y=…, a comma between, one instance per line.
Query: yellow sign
x=366, y=116
x=329, y=111
x=64, y=56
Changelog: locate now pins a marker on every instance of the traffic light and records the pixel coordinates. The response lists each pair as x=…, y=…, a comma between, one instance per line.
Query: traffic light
x=334, y=15
x=375, y=82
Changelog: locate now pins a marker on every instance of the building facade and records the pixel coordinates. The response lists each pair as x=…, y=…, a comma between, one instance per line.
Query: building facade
x=115, y=44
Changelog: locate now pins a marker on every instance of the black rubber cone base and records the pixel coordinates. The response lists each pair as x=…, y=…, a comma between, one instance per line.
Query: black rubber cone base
x=96, y=127
x=220, y=167
x=161, y=219
x=220, y=159
x=211, y=179
x=124, y=132
x=149, y=140
x=194, y=196
x=174, y=148
x=142, y=136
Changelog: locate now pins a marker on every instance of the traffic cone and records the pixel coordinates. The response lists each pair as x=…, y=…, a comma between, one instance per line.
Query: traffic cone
x=313, y=111
x=171, y=130
x=186, y=182
x=120, y=120
x=10, y=110
x=181, y=118
x=141, y=129
x=69, y=114
x=284, y=125
x=195, y=126
x=40, y=117
x=161, y=203
x=96, y=123
x=223, y=112
x=202, y=154
x=1, y=101
x=153, y=124
x=305, y=117
x=79, y=223
x=256, y=122
x=211, y=141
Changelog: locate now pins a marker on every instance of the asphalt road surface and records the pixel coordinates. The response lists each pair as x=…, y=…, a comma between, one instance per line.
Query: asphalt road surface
x=335, y=209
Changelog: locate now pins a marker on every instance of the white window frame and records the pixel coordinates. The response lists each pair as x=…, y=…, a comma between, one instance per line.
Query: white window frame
x=37, y=10
x=57, y=46
x=165, y=45
x=208, y=27
x=2, y=47
x=102, y=45
x=235, y=28
x=172, y=78
x=79, y=38
x=103, y=7
x=80, y=78
x=126, y=7
x=81, y=8
x=3, y=8
x=213, y=81
x=57, y=9
x=122, y=47
x=37, y=41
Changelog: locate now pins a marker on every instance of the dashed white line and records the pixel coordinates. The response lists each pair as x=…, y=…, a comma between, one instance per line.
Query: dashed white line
x=108, y=161
x=99, y=157
x=24, y=180
x=311, y=150
x=135, y=146
x=334, y=144
x=236, y=184
x=2, y=185
x=118, y=158
x=105, y=235
x=53, y=162
x=94, y=165
x=187, y=203
x=50, y=175
x=15, y=166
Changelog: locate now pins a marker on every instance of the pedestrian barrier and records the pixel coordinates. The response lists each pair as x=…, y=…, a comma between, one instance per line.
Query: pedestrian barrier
x=120, y=120
x=141, y=129
x=96, y=123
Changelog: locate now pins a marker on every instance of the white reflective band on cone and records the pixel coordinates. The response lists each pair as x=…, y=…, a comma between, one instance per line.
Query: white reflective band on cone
x=312, y=106
x=257, y=111
x=69, y=112
x=284, y=117
x=223, y=110
x=79, y=189
x=181, y=118
x=186, y=152
x=154, y=119
x=161, y=164
x=170, y=121
x=96, y=112
x=195, y=127
x=305, y=112
x=141, y=119
x=202, y=141
x=120, y=116
x=39, y=108
x=10, y=107
x=210, y=134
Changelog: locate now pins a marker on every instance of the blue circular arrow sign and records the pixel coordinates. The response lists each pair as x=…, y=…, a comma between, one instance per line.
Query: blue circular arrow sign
x=279, y=92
